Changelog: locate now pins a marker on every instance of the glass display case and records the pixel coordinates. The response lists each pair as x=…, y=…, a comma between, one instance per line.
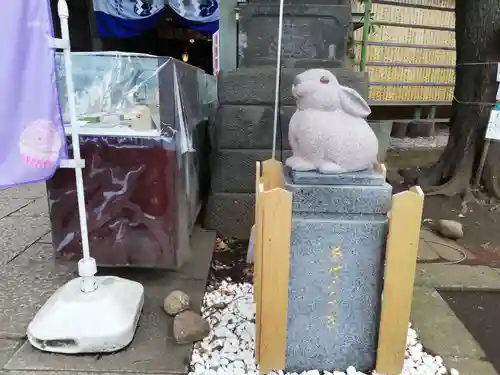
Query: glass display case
x=139, y=116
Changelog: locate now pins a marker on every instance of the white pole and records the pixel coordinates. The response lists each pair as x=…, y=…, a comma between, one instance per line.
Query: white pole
x=277, y=86
x=86, y=266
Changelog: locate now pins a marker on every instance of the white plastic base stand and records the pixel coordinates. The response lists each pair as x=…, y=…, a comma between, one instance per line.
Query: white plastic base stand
x=97, y=321
x=89, y=314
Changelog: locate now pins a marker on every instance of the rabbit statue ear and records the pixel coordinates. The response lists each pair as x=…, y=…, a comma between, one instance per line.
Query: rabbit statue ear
x=353, y=103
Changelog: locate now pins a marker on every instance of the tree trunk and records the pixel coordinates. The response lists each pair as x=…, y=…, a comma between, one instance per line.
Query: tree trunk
x=477, y=34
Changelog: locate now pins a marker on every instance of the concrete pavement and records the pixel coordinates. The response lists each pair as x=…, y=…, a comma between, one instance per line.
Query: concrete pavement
x=29, y=275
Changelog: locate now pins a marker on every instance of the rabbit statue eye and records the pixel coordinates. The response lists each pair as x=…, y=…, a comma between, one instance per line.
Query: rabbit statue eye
x=324, y=79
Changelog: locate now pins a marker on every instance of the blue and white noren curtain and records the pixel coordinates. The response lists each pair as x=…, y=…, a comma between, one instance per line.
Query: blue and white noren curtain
x=129, y=18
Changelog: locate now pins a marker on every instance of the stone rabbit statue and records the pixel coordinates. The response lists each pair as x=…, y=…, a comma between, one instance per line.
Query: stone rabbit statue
x=328, y=132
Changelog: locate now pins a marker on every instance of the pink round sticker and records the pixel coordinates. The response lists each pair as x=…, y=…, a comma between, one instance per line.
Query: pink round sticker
x=40, y=144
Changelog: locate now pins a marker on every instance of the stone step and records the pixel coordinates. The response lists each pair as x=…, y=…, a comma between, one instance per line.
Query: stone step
x=317, y=31
x=256, y=85
x=230, y=214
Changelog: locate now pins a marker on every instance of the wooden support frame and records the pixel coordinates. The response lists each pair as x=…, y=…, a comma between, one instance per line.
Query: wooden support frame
x=273, y=220
x=273, y=216
x=401, y=259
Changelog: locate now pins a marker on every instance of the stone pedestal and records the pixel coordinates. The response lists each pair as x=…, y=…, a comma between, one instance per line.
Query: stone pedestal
x=339, y=227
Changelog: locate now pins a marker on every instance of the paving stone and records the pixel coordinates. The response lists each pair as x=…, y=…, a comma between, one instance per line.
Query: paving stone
x=18, y=233
x=153, y=348
x=444, y=276
x=440, y=330
x=425, y=251
x=202, y=246
x=46, y=239
x=38, y=207
x=445, y=248
x=25, y=284
x=9, y=206
x=30, y=191
x=470, y=366
x=7, y=349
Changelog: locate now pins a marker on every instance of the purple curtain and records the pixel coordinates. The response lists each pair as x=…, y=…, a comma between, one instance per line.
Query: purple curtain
x=32, y=137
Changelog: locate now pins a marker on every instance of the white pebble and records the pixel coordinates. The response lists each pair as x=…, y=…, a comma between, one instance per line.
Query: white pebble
x=229, y=349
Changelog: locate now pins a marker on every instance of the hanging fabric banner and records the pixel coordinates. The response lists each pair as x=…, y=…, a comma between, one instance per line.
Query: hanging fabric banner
x=127, y=18
x=32, y=140
x=199, y=15
x=200, y=11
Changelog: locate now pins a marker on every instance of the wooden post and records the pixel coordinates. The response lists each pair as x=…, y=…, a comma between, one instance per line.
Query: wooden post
x=257, y=273
x=401, y=260
x=273, y=218
x=277, y=211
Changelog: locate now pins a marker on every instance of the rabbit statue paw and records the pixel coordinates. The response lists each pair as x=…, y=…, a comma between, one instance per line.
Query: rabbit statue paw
x=299, y=164
x=328, y=132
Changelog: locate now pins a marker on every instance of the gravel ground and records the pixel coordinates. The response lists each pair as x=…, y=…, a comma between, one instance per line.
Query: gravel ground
x=229, y=348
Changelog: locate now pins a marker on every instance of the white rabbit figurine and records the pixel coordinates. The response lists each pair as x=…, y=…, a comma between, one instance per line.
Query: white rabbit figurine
x=329, y=132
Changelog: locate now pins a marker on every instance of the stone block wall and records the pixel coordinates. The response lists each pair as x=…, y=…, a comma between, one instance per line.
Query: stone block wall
x=315, y=35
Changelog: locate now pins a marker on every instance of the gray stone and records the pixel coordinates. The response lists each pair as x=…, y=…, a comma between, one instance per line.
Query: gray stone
x=20, y=233
x=176, y=302
x=190, y=327
x=399, y=129
x=309, y=31
x=230, y=214
x=446, y=276
x=153, y=349
x=341, y=199
x=250, y=86
x=233, y=171
x=366, y=177
x=450, y=229
x=250, y=126
x=439, y=329
x=466, y=366
x=337, y=247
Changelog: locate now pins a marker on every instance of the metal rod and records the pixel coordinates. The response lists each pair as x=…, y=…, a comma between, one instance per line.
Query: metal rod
x=278, y=78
